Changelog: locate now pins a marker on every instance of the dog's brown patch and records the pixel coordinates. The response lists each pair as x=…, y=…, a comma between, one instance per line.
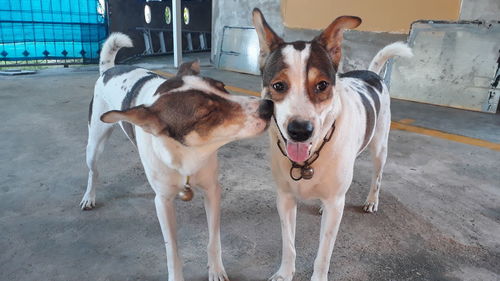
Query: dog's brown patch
x=321, y=60
x=319, y=68
x=273, y=71
x=274, y=64
x=216, y=84
x=331, y=38
x=169, y=85
x=189, y=68
x=180, y=113
x=282, y=77
x=193, y=110
x=315, y=77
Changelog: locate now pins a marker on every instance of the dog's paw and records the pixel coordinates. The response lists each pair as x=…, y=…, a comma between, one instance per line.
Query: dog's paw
x=281, y=275
x=371, y=203
x=175, y=278
x=370, y=206
x=217, y=273
x=316, y=278
x=88, y=202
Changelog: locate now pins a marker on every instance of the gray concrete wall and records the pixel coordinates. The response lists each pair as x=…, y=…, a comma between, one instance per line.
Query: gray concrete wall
x=480, y=10
x=239, y=13
x=359, y=47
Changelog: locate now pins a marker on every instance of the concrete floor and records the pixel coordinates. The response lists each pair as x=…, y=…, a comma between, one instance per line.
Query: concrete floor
x=439, y=215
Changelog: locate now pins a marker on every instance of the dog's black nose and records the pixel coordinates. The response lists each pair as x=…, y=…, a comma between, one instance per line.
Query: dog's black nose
x=266, y=109
x=300, y=130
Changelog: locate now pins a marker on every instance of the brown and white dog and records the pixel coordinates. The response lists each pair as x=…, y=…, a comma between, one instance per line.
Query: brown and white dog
x=323, y=121
x=177, y=126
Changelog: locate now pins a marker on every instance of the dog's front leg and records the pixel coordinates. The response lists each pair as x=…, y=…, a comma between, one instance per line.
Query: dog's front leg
x=287, y=209
x=216, y=271
x=165, y=209
x=330, y=222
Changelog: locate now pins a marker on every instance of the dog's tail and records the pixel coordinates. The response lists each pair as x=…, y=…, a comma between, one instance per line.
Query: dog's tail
x=110, y=48
x=395, y=49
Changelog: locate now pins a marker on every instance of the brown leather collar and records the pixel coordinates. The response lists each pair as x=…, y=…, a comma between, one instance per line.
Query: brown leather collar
x=306, y=171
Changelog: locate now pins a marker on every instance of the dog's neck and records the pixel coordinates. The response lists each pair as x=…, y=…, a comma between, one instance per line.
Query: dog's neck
x=186, y=160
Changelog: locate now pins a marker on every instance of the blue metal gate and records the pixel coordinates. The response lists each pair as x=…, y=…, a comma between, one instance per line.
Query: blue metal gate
x=47, y=32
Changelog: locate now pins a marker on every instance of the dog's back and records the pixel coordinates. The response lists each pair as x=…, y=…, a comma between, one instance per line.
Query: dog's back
x=120, y=85
x=370, y=92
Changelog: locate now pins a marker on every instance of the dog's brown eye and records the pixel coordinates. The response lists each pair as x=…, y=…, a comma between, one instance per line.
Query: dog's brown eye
x=279, y=87
x=321, y=86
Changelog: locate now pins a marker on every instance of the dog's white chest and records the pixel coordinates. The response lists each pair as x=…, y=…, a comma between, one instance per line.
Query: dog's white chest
x=185, y=161
x=305, y=189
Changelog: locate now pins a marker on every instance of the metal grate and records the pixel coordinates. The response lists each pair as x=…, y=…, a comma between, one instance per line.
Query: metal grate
x=49, y=32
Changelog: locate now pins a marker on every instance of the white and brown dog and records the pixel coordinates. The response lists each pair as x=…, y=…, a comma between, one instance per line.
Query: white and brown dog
x=323, y=121
x=178, y=126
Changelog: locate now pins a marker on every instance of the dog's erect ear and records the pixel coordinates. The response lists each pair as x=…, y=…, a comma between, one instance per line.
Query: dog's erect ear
x=331, y=37
x=139, y=115
x=189, y=68
x=268, y=40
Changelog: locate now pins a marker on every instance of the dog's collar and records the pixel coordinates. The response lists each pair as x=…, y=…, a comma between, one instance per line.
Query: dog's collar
x=306, y=171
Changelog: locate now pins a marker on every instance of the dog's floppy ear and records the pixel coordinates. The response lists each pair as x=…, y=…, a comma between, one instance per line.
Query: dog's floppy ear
x=268, y=39
x=189, y=68
x=139, y=115
x=331, y=37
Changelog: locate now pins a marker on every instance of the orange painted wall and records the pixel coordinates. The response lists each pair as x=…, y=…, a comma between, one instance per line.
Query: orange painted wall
x=378, y=15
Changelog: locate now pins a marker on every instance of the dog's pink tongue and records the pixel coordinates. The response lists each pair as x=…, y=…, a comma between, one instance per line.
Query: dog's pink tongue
x=297, y=151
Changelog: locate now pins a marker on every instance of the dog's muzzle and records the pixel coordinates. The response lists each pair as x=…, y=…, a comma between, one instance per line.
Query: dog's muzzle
x=300, y=130
x=266, y=109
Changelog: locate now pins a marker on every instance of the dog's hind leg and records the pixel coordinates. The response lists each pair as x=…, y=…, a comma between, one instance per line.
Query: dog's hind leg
x=378, y=152
x=99, y=133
